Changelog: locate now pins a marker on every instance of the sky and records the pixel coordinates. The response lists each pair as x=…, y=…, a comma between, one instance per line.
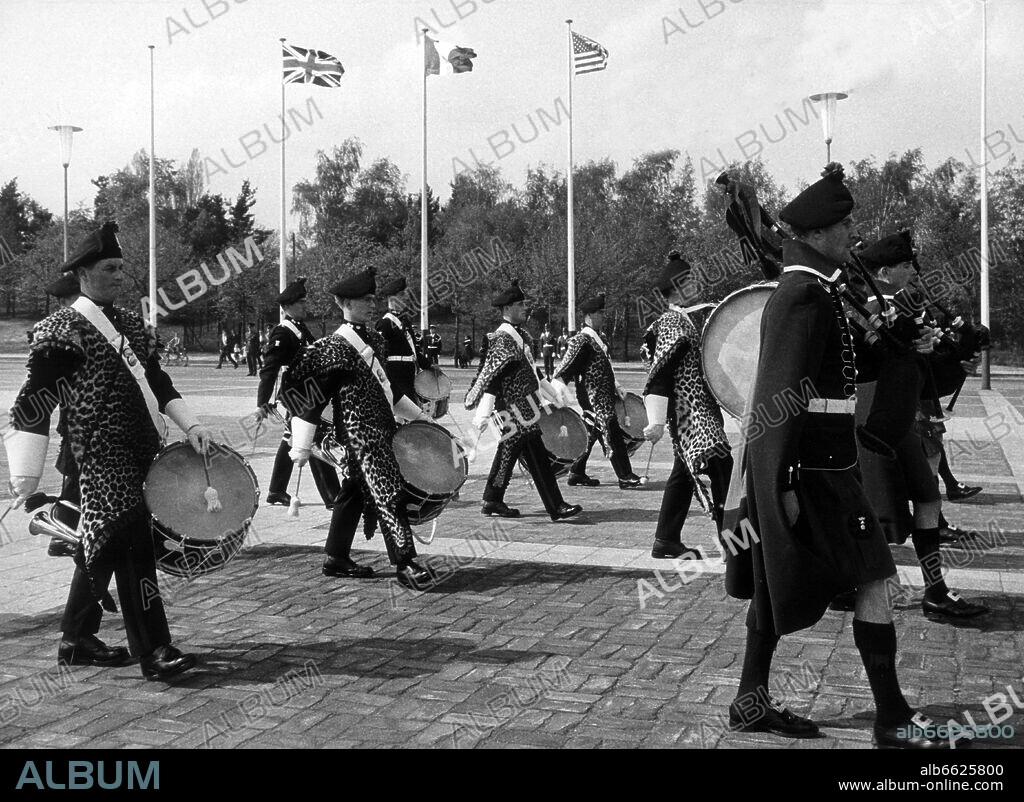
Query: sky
x=714, y=79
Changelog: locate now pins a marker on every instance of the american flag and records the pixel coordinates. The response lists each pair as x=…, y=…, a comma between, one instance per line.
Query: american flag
x=303, y=66
x=587, y=55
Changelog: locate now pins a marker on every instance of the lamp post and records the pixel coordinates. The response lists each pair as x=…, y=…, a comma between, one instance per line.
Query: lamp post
x=828, y=119
x=65, y=132
x=986, y=367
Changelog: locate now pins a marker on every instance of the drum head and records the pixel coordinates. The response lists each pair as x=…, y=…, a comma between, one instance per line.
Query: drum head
x=432, y=385
x=564, y=433
x=429, y=458
x=176, y=485
x=632, y=415
x=731, y=344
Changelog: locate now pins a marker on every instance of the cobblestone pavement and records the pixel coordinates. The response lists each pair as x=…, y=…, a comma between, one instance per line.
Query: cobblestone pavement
x=536, y=634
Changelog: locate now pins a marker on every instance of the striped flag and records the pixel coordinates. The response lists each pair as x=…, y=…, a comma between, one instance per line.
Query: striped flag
x=587, y=55
x=303, y=66
x=450, y=59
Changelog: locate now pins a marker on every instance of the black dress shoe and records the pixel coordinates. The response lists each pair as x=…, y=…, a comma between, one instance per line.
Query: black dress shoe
x=415, y=576
x=912, y=734
x=499, y=509
x=955, y=536
x=282, y=499
x=90, y=651
x=61, y=548
x=952, y=607
x=566, y=511
x=166, y=662
x=844, y=602
x=629, y=482
x=345, y=567
x=667, y=550
x=582, y=480
x=960, y=491
x=773, y=718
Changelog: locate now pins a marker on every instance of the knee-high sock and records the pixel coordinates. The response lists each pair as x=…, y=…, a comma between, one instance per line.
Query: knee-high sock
x=947, y=475
x=926, y=544
x=877, y=646
x=757, y=661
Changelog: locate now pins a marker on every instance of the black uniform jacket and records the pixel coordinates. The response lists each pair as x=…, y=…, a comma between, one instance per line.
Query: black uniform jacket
x=281, y=349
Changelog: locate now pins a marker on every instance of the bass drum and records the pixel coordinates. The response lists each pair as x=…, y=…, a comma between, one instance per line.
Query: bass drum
x=565, y=437
x=632, y=417
x=731, y=344
x=434, y=388
x=189, y=540
x=433, y=467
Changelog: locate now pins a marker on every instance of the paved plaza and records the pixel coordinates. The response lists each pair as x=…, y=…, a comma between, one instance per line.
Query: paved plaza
x=535, y=635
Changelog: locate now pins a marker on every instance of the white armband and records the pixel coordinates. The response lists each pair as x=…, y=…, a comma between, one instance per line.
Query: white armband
x=303, y=433
x=26, y=453
x=178, y=411
x=560, y=387
x=406, y=408
x=657, y=408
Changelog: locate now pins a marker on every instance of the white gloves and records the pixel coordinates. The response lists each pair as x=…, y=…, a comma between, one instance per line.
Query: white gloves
x=620, y=390
x=657, y=414
x=303, y=433
x=563, y=392
x=550, y=393
x=199, y=436
x=484, y=410
x=24, y=486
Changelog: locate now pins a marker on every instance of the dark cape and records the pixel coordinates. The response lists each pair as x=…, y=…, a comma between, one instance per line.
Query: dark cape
x=792, y=572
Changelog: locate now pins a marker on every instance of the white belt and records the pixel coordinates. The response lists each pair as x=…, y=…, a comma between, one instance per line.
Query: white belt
x=401, y=359
x=832, y=406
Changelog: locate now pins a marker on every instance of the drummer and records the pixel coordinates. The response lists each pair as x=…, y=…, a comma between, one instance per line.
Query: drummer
x=88, y=357
x=404, y=359
x=346, y=369
x=586, y=362
x=509, y=384
x=677, y=395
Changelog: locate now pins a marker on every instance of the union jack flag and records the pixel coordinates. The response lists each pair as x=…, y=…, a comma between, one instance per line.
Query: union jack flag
x=303, y=66
x=587, y=55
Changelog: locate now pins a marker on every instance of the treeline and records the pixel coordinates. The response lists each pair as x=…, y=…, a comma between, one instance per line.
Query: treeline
x=355, y=214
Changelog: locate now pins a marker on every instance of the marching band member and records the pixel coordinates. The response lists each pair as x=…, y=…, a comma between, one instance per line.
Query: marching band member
x=286, y=340
x=347, y=369
x=816, y=534
x=404, y=358
x=586, y=362
x=101, y=363
x=889, y=482
x=507, y=382
x=677, y=395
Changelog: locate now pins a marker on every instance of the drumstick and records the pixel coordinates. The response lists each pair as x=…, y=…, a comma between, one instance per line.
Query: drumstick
x=12, y=506
x=210, y=494
x=646, y=477
x=294, y=504
x=256, y=436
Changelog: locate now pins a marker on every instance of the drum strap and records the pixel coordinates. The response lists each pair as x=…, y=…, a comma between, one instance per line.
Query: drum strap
x=510, y=330
x=595, y=337
x=369, y=357
x=290, y=325
x=91, y=312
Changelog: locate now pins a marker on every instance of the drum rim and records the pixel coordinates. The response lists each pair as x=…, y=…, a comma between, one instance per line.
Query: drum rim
x=463, y=457
x=712, y=316
x=246, y=523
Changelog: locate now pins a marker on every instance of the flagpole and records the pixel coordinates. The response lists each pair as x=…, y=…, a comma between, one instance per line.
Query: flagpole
x=282, y=277
x=986, y=376
x=152, y=192
x=570, y=234
x=424, y=312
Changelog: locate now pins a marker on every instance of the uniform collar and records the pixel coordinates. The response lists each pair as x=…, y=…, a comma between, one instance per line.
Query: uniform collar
x=799, y=257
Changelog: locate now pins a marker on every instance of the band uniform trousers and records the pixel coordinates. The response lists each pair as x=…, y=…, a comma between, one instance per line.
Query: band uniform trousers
x=675, y=504
x=129, y=558
x=616, y=444
x=530, y=447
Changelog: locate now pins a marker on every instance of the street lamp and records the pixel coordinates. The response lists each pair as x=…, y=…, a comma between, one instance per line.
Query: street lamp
x=828, y=119
x=65, y=132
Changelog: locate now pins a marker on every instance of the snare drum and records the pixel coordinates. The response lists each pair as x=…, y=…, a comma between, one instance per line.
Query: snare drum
x=433, y=467
x=565, y=437
x=731, y=345
x=188, y=540
x=632, y=416
x=433, y=387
